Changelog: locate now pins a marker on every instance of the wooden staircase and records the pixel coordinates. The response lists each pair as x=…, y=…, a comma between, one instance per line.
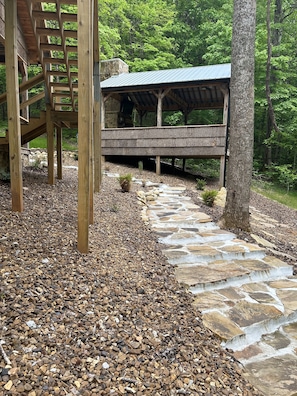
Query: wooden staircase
x=55, y=31
x=58, y=53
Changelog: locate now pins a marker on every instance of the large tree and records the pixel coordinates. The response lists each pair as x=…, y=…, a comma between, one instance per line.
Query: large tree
x=240, y=164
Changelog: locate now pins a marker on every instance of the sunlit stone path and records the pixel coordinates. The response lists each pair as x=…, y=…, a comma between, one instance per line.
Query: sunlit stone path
x=246, y=297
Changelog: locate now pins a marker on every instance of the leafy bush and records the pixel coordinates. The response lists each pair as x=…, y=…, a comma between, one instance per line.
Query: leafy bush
x=200, y=185
x=209, y=197
x=125, y=182
x=285, y=175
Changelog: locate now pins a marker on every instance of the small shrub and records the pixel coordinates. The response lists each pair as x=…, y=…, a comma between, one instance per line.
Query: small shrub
x=201, y=183
x=125, y=182
x=209, y=197
x=140, y=167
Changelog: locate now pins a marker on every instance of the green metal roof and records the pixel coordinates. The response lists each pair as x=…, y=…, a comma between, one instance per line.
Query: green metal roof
x=168, y=77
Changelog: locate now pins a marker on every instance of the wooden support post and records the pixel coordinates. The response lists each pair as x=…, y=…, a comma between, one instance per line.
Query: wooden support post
x=97, y=105
x=184, y=164
x=97, y=130
x=222, y=171
x=159, y=109
x=172, y=162
x=158, y=165
x=85, y=123
x=59, y=153
x=160, y=96
x=102, y=113
x=50, y=130
x=13, y=106
x=225, y=91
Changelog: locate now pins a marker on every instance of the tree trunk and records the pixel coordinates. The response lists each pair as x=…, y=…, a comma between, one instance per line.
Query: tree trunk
x=240, y=164
x=274, y=37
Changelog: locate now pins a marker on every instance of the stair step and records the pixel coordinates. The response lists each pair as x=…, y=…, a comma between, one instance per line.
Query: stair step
x=241, y=315
x=194, y=236
x=220, y=274
x=196, y=254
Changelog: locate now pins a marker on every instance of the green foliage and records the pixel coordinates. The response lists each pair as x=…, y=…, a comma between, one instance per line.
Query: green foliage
x=140, y=166
x=200, y=184
x=209, y=197
x=284, y=175
x=39, y=142
x=206, y=168
x=125, y=182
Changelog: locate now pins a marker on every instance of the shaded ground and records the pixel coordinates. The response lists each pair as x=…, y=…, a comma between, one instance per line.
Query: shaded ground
x=113, y=322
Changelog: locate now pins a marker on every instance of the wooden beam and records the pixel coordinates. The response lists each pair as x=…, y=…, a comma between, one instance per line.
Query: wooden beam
x=13, y=110
x=50, y=129
x=25, y=86
x=85, y=124
x=56, y=32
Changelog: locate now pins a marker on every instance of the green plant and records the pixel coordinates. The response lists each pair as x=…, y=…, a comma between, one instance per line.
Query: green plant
x=140, y=167
x=201, y=183
x=114, y=208
x=37, y=163
x=285, y=175
x=209, y=197
x=125, y=182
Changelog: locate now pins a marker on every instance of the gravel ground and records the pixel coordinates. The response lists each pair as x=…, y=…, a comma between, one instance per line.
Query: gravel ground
x=113, y=322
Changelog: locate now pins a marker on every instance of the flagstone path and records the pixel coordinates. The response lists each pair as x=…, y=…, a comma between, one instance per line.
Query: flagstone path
x=246, y=297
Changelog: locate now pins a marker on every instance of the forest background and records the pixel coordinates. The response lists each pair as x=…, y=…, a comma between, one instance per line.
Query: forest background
x=167, y=34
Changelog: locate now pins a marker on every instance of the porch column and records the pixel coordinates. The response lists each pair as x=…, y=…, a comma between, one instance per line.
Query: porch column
x=13, y=106
x=159, y=109
x=85, y=118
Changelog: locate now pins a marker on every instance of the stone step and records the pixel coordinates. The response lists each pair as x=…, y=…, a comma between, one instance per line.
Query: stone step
x=221, y=274
x=215, y=252
x=271, y=363
x=196, y=236
x=240, y=316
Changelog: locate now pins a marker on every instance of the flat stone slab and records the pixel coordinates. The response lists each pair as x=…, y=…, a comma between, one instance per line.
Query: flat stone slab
x=245, y=314
x=276, y=376
x=289, y=300
x=222, y=326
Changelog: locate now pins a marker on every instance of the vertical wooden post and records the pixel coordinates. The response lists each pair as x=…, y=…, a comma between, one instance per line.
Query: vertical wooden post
x=159, y=109
x=222, y=171
x=59, y=152
x=225, y=92
x=102, y=114
x=97, y=130
x=50, y=130
x=13, y=106
x=158, y=165
x=85, y=124
x=97, y=106
x=184, y=164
